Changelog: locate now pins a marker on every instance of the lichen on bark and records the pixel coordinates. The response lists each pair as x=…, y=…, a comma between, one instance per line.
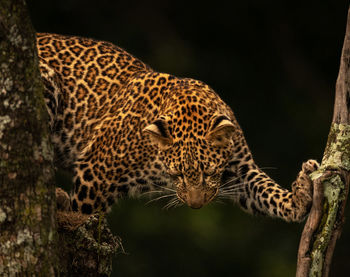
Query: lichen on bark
x=332, y=190
x=337, y=152
x=28, y=227
x=27, y=216
x=332, y=179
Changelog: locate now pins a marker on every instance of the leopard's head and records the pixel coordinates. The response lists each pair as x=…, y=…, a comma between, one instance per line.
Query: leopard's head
x=195, y=147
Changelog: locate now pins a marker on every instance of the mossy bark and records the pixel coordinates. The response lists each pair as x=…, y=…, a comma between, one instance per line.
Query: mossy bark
x=27, y=200
x=335, y=187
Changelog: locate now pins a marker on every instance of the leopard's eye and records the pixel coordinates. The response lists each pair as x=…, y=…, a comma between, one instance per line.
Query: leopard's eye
x=207, y=175
x=175, y=173
x=180, y=175
x=209, y=172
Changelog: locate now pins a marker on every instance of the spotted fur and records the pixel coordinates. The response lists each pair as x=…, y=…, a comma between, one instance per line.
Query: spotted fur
x=127, y=129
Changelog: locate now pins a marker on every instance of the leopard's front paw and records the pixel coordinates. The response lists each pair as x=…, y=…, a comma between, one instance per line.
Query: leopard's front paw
x=303, y=186
x=302, y=189
x=310, y=166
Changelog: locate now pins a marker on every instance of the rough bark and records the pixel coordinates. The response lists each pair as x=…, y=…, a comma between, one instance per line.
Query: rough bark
x=87, y=245
x=27, y=206
x=28, y=232
x=331, y=182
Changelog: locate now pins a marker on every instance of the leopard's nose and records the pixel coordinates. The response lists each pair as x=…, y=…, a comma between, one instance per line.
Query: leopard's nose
x=196, y=205
x=195, y=198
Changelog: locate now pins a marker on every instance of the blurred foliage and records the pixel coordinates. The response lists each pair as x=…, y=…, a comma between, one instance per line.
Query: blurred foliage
x=275, y=63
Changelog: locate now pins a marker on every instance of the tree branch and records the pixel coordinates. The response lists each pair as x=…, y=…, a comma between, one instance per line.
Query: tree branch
x=310, y=228
x=331, y=182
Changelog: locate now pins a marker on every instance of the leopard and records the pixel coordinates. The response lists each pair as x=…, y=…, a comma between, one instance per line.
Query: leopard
x=125, y=129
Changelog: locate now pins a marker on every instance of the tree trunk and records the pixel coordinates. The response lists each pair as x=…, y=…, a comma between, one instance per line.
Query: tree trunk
x=28, y=232
x=27, y=205
x=331, y=182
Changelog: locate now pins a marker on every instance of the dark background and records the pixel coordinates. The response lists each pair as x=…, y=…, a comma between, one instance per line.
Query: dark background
x=276, y=65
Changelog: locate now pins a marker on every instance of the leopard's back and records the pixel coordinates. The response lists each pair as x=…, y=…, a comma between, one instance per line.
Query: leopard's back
x=83, y=79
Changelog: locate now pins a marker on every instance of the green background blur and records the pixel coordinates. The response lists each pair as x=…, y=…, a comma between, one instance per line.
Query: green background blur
x=276, y=65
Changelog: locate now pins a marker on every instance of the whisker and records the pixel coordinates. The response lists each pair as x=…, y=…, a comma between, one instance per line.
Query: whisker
x=171, y=203
x=231, y=192
x=234, y=186
x=164, y=188
x=243, y=175
x=160, y=197
x=220, y=202
x=174, y=202
x=233, y=180
x=151, y=191
x=237, y=186
x=229, y=197
x=229, y=181
x=267, y=167
x=179, y=203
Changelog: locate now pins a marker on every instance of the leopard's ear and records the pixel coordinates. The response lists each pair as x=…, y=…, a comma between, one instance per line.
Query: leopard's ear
x=221, y=131
x=159, y=133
